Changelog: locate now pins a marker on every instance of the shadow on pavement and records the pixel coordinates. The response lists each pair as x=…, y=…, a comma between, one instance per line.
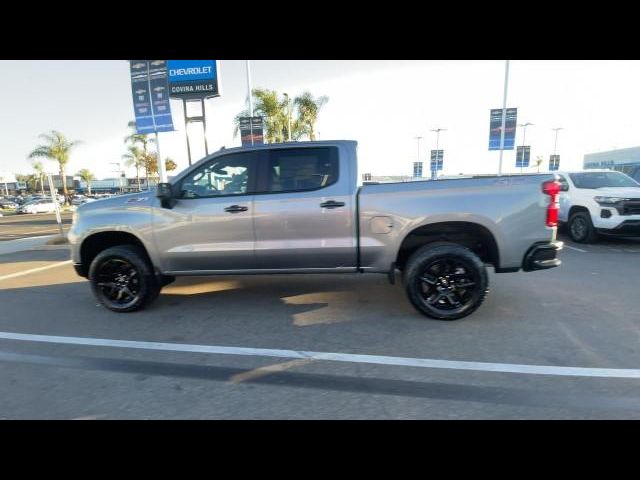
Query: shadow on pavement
x=345, y=383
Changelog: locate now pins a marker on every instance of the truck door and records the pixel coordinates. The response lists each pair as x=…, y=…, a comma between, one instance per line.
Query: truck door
x=210, y=227
x=303, y=211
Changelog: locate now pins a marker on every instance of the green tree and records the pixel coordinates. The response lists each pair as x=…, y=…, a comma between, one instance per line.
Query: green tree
x=308, y=110
x=151, y=164
x=134, y=139
x=38, y=169
x=539, y=160
x=56, y=147
x=135, y=159
x=275, y=111
x=87, y=177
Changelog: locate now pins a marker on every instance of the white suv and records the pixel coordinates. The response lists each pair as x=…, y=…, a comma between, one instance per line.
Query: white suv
x=37, y=206
x=599, y=201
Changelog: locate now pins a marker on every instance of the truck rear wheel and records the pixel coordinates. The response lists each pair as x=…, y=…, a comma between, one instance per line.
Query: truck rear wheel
x=446, y=281
x=122, y=279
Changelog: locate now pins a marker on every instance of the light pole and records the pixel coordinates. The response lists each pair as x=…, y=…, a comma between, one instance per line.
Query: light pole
x=119, y=177
x=524, y=136
x=286, y=95
x=555, y=146
x=250, y=100
x=437, y=130
x=504, y=113
x=555, y=143
x=418, y=159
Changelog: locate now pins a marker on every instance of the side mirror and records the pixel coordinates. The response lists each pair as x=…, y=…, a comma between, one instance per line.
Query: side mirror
x=564, y=187
x=165, y=194
x=164, y=191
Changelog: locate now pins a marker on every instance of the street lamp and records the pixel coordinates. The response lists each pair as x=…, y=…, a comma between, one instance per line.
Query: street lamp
x=524, y=135
x=555, y=143
x=434, y=173
x=119, y=172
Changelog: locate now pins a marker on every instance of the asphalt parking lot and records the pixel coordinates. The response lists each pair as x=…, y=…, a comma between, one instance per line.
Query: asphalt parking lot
x=557, y=344
x=14, y=227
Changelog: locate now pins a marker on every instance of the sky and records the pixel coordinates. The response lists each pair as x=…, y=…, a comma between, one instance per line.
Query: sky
x=383, y=105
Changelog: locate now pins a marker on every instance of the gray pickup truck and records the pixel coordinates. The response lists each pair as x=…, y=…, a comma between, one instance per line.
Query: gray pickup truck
x=297, y=208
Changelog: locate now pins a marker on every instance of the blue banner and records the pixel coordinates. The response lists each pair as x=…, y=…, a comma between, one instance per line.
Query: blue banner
x=437, y=159
x=523, y=155
x=150, y=90
x=554, y=162
x=495, y=125
x=193, y=78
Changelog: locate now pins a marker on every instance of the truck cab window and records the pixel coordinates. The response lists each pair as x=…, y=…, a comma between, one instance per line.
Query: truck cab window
x=301, y=169
x=228, y=175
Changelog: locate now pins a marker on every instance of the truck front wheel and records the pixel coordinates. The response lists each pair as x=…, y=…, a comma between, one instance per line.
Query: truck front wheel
x=122, y=279
x=446, y=282
x=581, y=229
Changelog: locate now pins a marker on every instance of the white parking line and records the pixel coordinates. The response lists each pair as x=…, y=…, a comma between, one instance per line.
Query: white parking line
x=334, y=357
x=575, y=248
x=34, y=270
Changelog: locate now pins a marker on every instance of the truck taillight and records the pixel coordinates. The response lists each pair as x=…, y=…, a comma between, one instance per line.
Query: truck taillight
x=552, y=188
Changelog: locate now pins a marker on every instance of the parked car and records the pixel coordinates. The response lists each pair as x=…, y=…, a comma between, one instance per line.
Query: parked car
x=37, y=206
x=594, y=202
x=8, y=204
x=296, y=208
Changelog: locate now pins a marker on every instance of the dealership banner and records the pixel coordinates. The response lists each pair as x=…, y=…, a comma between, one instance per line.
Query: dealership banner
x=437, y=157
x=417, y=169
x=554, y=162
x=150, y=90
x=523, y=155
x=251, y=131
x=194, y=79
x=495, y=124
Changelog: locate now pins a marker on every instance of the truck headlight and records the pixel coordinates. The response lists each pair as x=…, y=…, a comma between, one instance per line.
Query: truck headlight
x=609, y=200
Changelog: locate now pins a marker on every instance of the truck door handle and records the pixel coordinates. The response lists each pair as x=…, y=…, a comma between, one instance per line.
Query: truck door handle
x=236, y=209
x=331, y=204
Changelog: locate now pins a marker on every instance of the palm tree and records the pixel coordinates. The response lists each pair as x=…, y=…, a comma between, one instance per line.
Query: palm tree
x=38, y=168
x=134, y=159
x=539, y=160
x=308, y=110
x=86, y=177
x=275, y=112
x=58, y=148
x=133, y=139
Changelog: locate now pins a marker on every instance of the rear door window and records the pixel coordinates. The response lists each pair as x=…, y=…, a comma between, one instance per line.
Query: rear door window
x=299, y=170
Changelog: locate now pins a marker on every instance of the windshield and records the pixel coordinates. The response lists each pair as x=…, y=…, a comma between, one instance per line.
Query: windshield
x=602, y=180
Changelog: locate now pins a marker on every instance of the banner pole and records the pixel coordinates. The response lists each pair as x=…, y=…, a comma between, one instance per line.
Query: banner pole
x=504, y=114
x=250, y=100
x=186, y=132
x=204, y=126
x=161, y=168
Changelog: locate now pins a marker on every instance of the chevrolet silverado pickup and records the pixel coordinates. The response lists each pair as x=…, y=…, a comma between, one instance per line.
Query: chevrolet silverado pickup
x=298, y=208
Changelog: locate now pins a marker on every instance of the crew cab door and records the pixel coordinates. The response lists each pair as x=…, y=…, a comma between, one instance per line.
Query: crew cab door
x=303, y=211
x=210, y=227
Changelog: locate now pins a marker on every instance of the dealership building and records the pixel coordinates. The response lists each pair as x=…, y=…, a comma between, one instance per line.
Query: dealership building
x=626, y=160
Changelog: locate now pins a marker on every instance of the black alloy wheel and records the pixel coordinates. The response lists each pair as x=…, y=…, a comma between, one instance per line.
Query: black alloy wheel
x=122, y=279
x=446, y=282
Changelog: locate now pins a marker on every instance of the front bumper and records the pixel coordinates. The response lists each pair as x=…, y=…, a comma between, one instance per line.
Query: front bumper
x=80, y=270
x=628, y=227
x=542, y=256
